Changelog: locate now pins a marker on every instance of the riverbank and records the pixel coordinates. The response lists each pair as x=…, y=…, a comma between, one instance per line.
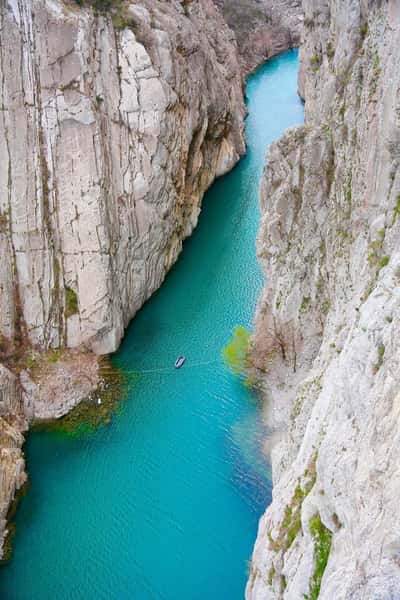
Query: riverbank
x=166, y=498
x=65, y=391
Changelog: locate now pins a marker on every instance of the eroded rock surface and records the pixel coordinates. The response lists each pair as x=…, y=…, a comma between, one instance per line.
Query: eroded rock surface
x=13, y=423
x=328, y=323
x=111, y=130
x=112, y=127
x=263, y=28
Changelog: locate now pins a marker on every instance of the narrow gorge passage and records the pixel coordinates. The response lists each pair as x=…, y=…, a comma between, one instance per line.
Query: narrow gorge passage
x=164, y=502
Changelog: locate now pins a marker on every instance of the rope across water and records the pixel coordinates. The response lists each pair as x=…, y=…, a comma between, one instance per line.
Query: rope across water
x=171, y=368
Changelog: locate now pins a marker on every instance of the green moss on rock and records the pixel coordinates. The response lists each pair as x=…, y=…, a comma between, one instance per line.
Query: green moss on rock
x=291, y=524
x=322, y=546
x=305, y=304
x=11, y=527
x=396, y=210
x=94, y=411
x=71, y=302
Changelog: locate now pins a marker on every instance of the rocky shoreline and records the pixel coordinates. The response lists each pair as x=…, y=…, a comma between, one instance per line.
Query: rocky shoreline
x=68, y=295
x=45, y=392
x=122, y=119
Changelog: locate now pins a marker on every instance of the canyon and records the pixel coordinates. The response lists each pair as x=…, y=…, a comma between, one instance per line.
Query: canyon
x=113, y=124
x=116, y=117
x=115, y=120
x=325, y=345
x=151, y=499
x=114, y=127
x=263, y=28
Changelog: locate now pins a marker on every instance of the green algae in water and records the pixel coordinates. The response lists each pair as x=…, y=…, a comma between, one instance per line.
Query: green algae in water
x=236, y=357
x=97, y=409
x=235, y=353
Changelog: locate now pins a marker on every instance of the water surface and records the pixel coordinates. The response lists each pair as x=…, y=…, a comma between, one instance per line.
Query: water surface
x=164, y=502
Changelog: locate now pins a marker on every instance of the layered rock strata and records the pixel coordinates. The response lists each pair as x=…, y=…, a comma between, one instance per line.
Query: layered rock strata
x=327, y=327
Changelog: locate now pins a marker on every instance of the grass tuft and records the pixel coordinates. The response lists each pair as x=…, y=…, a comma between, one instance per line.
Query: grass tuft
x=396, y=210
x=71, y=302
x=322, y=546
x=384, y=261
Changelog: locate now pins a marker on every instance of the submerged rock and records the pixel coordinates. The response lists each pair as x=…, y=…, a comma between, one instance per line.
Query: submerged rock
x=328, y=322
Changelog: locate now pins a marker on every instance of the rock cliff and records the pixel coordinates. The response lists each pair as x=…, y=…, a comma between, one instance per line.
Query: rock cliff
x=13, y=423
x=328, y=322
x=112, y=127
x=263, y=28
x=115, y=117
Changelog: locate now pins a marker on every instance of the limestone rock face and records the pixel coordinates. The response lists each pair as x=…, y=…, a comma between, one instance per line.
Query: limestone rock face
x=12, y=425
x=112, y=127
x=327, y=328
x=263, y=28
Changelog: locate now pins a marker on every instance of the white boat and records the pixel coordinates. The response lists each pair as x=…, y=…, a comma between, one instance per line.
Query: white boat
x=179, y=361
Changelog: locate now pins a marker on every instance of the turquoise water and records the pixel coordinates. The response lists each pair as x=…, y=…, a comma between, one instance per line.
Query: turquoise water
x=163, y=503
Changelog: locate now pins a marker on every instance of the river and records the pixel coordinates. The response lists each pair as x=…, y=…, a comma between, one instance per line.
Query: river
x=163, y=502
